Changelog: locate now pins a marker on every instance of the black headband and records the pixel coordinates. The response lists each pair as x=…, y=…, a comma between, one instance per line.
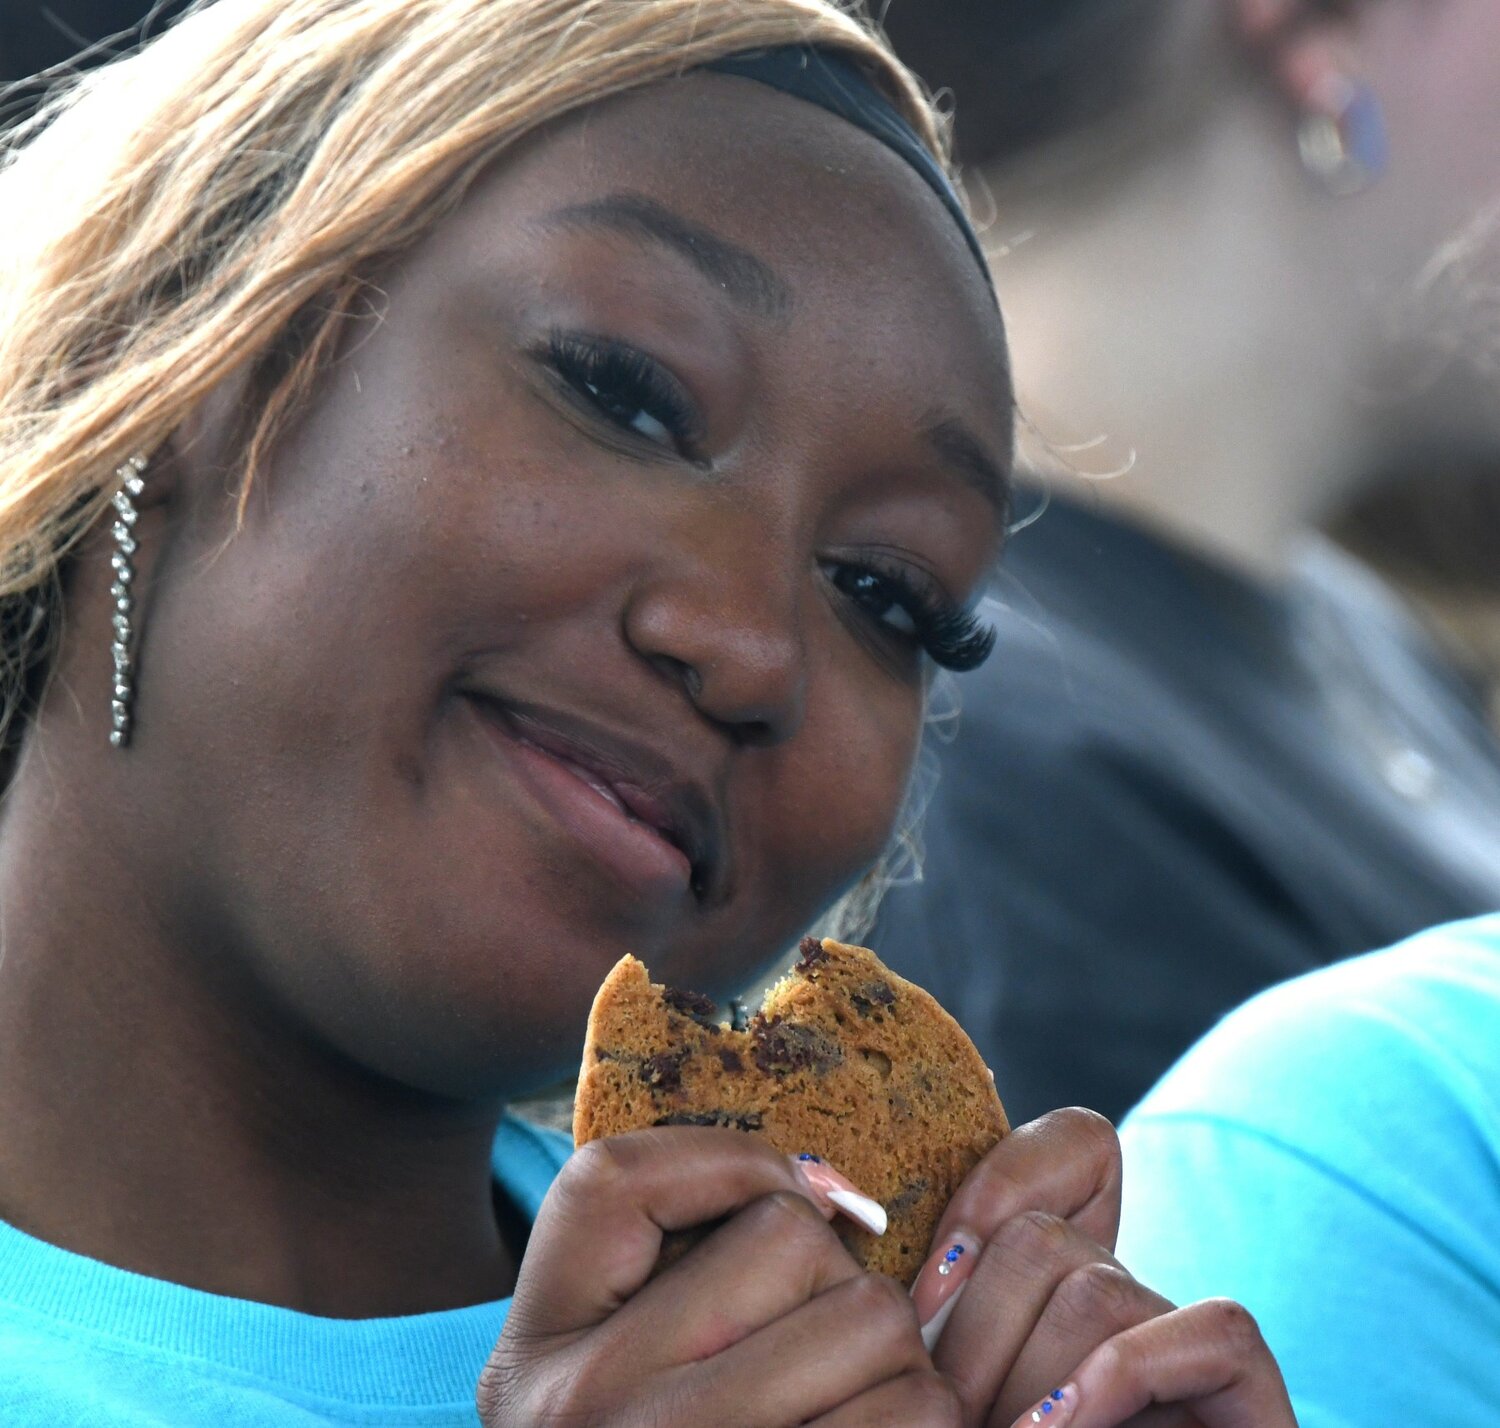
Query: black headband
x=834, y=83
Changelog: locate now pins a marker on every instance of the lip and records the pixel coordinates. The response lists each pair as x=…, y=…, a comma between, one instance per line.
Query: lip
x=655, y=830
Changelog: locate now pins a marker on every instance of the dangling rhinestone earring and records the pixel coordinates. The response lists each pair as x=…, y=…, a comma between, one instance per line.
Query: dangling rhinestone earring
x=131, y=486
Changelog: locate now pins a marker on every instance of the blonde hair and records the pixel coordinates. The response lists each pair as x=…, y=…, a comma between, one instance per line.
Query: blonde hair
x=214, y=200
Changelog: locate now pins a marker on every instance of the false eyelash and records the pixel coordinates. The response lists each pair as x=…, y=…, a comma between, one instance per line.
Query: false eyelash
x=955, y=638
x=602, y=370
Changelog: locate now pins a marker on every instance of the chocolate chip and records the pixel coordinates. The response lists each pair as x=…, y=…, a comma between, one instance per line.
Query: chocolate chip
x=730, y=1060
x=812, y=951
x=664, y=1072
x=783, y=1046
x=871, y=995
x=907, y=1197
x=693, y=1004
x=730, y=1120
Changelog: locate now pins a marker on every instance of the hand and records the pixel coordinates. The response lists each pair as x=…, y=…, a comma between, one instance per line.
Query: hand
x=767, y=1322
x=1035, y=1303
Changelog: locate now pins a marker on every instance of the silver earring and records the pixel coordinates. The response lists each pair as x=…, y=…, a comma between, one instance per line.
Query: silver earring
x=131, y=486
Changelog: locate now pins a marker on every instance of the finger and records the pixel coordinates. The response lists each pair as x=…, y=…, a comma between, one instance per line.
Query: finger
x=777, y=1253
x=599, y=1232
x=1092, y=1304
x=921, y=1399
x=838, y=1346
x=1209, y=1357
x=1066, y=1164
x=1039, y=1297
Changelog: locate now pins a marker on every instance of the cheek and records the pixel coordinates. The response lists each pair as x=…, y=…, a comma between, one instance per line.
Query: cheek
x=847, y=779
x=818, y=811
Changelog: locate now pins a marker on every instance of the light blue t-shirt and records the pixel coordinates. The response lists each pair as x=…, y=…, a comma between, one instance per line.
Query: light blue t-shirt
x=85, y=1345
x=1329, y=1156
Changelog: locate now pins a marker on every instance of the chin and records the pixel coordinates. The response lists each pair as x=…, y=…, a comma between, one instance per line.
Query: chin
x=458, y=1054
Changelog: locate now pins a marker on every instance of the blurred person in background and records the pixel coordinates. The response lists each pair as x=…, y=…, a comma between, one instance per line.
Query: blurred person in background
x=1428, y=526
x=1350, y=1118
x=1211, y=751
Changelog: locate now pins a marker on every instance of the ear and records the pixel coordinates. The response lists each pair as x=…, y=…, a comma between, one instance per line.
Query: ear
x=1308, y=48
x=205, y=449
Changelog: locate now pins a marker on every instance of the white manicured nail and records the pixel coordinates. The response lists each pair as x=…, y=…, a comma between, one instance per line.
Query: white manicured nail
x=933, y=1328
x=835, y=1191
x=869, y=1213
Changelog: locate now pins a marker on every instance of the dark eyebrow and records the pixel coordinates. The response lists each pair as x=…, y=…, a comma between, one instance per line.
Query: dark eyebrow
x=747, y=280
x=966, y=455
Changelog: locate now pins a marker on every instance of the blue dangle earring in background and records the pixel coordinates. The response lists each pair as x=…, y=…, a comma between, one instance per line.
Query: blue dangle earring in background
x=1341, y=137
x=123, y=531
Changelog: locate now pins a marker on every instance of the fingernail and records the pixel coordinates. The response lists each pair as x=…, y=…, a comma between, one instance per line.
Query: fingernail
x=869, y=1213
x=939, y=1281
x=1055, y=1409
x=932, y=1330
x=837, y=1192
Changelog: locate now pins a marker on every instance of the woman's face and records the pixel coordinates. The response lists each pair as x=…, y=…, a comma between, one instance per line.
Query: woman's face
x=583, y=612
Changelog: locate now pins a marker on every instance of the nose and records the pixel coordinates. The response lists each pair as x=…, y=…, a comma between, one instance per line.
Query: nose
x=722, y=619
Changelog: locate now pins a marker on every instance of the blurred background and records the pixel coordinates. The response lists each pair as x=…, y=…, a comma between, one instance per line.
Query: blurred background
x=1240, y=718
x=34, y=37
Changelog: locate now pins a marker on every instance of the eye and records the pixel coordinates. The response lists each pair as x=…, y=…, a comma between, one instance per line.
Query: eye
x=629, y=389
x=909, y=606
x=876, y=596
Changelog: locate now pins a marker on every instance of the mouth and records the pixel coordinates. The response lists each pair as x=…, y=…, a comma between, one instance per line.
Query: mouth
x=652, y=831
